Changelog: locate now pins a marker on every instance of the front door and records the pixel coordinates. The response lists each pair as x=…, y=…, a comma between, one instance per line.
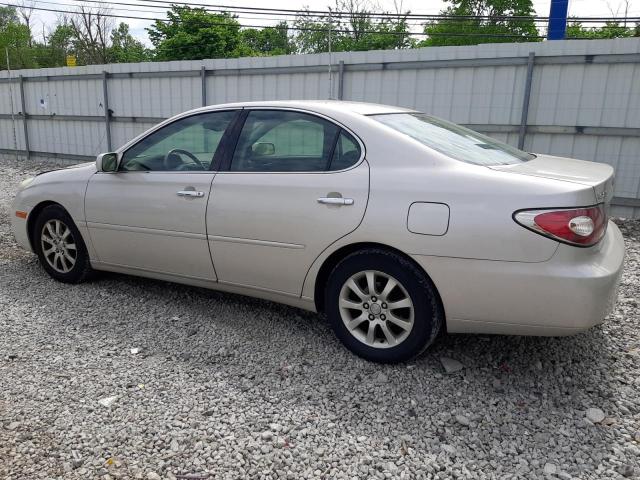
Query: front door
x=150, y=214
x=295, y=184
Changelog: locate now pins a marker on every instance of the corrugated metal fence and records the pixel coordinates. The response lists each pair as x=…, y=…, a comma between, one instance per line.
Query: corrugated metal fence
x=570, y=98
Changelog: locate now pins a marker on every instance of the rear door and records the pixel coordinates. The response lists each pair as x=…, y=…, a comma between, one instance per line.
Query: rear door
x=295, y=183
x=150, y=214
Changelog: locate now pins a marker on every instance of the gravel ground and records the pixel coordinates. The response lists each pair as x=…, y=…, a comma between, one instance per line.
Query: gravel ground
x=230, y=387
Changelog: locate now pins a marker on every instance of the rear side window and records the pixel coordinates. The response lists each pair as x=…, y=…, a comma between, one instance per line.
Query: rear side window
x=453, y=140
x=346, y=153
x=284, y=141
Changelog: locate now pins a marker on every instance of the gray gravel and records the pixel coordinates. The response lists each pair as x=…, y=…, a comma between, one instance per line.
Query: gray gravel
x=223, y=386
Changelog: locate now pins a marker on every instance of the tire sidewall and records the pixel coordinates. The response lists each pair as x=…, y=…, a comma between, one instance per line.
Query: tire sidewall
x=427, y=313
x=79, y=270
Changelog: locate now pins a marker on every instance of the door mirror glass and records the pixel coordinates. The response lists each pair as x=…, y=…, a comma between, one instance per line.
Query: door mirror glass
x=263, y=149
x=107, y=162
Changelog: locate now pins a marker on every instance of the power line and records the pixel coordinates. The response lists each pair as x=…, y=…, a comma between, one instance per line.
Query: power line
x=338, y=22
x=315, y=29
x=130, y=4
x=311, y=29
x=240, y=14
x=340, y=14
x=326, y=13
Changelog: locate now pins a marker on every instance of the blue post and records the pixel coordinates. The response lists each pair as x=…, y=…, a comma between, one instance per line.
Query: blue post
x=557, y=28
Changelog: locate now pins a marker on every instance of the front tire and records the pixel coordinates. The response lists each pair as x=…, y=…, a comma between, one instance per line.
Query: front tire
x=382, y=307
x=60, y=247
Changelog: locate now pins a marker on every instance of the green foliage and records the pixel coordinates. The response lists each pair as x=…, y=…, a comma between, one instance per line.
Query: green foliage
x=610, y=30
x=54, y=52
x=8, y=15
x=126, y=49
x=384, y=35
x=355, y=31
x=503, y=28
x=16, y=37
x=60, y=43
x=61, y=38
x=268, y=40
x=194, y=33
x=312, y=34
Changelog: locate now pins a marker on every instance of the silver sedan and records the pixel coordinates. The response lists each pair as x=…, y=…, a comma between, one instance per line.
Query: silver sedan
x=396, y=224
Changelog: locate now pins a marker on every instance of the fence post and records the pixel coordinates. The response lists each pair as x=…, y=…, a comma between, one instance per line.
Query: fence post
x=24, y=119
x=107, y=113
x=525, y=100
x=340, y=79
x=203, y=80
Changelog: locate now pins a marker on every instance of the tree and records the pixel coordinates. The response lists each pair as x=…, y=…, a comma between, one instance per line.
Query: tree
x=26, y=12
x=352, y=28
x=268, y=40
x=609, y=30
x=312, y=33
x=125, y=48
x=52, y=52
x=194, y=33
x=16, y=38
x=8, y=15
x=62, y=38
x=91, y=34
x=503, y=24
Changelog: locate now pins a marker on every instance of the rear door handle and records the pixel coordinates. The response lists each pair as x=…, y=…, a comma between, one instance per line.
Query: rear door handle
x=335, y=201
x=189, y=193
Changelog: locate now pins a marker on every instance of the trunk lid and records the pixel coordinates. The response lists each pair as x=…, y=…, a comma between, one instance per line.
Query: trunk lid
x=599, y=176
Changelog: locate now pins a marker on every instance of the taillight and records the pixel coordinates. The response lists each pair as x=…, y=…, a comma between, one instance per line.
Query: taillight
x=582, y=227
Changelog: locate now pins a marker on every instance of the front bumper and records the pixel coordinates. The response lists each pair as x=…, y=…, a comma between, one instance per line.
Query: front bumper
x=573, y=291
x=19, y=225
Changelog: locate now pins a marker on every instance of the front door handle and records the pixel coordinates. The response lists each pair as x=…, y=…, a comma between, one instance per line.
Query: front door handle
x=335, y=201
x=189, y=193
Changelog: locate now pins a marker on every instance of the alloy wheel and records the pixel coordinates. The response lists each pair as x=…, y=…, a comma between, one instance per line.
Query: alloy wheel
x=58, y=246
x=376, y=309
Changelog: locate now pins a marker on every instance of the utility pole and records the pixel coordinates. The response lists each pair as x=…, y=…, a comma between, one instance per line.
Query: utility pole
x=330, y=60
x=557, y=28
x=13, y=118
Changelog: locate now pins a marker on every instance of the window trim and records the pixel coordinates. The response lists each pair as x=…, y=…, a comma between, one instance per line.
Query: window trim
x=225, y=167
x=225, y=135
x=332, y=152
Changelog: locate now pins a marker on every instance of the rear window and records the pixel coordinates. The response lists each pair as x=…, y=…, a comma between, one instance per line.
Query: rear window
x=453, y=140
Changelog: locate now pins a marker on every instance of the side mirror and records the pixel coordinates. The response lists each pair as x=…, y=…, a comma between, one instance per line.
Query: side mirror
x=263, y=149
x=107, y=162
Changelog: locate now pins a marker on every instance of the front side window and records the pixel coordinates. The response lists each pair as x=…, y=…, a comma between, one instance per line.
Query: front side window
x=453, y=140
x=188, y=144
x=284, y=141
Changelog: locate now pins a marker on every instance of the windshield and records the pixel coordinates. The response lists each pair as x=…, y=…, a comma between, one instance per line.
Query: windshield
x=453, y=140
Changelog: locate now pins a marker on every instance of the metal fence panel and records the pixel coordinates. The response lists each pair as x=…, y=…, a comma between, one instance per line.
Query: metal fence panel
x=7, y=135
x=76, y=137
x=584, y=99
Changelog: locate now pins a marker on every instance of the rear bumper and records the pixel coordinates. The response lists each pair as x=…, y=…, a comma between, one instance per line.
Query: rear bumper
x=573, y=291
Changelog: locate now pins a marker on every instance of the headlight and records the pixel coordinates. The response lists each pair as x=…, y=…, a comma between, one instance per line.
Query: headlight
x=26, y=182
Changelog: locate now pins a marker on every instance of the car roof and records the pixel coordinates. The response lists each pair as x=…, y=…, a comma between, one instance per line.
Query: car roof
x=320, y=106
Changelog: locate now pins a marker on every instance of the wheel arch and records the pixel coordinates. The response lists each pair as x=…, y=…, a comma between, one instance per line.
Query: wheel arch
x=33, y=217
x=335, y=257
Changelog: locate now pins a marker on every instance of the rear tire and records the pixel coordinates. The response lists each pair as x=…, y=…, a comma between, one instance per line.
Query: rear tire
x=382, y=306
x=60, y=247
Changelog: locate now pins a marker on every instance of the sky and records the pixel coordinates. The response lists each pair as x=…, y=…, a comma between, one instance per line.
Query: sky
x=584, y=8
